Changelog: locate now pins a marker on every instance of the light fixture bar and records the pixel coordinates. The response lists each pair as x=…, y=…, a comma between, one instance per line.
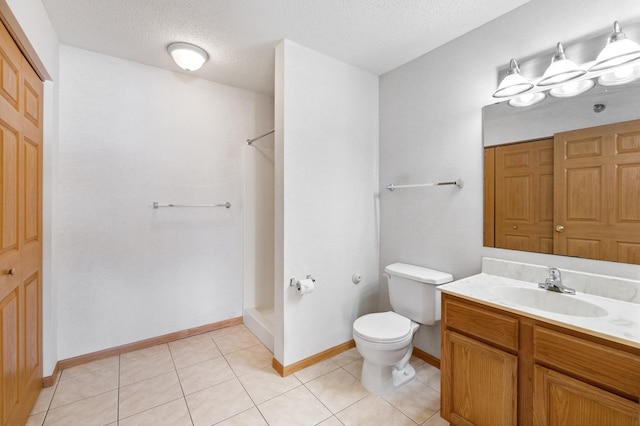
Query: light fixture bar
x=566, y=78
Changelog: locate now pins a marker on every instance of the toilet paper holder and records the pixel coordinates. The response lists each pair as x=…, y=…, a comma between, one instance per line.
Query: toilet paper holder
x=293, y=282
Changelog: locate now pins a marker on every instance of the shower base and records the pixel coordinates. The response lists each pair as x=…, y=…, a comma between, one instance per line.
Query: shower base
x=260, y=322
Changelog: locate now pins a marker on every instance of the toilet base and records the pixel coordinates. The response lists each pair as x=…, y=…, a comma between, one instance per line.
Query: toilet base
x=384, y=379
x=400, y=377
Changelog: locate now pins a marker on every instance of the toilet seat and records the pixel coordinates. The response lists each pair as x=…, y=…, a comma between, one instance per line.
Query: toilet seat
x=383, y=327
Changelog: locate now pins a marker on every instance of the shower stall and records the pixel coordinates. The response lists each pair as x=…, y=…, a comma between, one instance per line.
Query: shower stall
x=258, y=286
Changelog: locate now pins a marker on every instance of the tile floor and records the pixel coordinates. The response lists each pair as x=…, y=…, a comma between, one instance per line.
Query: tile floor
x=225, y=378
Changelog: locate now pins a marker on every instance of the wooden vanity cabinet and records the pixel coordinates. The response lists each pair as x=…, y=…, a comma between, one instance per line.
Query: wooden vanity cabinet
x=479, y=365
x=560, y=399
x=581, y=382
x=500, y=368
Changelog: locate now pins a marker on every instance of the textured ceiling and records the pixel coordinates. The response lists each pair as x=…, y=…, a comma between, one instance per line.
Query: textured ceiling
x=240, y=35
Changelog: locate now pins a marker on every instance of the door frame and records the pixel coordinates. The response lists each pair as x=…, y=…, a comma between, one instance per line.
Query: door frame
x=13, y=26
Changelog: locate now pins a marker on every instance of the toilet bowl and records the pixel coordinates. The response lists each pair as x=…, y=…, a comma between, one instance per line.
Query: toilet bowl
x=385, y=339
x=385, y=342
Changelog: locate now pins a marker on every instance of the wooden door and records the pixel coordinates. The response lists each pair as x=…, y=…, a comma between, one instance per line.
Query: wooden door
x=488, y=226
x=524, y=196
x=597, y=193
x=482, y=382
x=20, y=234
x=560, y=400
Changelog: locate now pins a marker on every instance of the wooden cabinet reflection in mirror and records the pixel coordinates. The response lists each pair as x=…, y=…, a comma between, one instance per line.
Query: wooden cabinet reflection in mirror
x=576, y=194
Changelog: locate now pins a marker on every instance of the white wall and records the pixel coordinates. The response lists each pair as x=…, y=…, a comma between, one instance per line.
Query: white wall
x=34, y=21
x=326, y=199
x=131, y=134
x=431, y=130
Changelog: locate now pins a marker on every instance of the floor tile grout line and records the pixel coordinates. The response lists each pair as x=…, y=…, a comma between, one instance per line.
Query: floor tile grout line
x=149, y=409
x=360, y=399
x=55, y=388
x=241, y=349
x=80, y=400
x=184, y=397
x=57, y=383
x=319, y=400
x=437, y=413
x=245, y=389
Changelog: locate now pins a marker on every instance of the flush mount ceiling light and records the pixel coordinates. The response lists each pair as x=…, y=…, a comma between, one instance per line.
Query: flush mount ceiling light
x=513, y=83
x=619, y=50
x=561, y=70
x=187, y=56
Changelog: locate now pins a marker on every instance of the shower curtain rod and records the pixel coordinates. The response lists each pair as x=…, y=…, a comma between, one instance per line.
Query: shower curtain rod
x=250, y=141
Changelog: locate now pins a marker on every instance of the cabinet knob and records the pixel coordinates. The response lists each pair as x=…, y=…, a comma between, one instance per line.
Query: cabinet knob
x=559, y=228
x=515, y=226
x=10, y=271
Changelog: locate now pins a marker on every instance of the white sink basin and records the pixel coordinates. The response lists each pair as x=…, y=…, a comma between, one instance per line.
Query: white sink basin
x=548, y=301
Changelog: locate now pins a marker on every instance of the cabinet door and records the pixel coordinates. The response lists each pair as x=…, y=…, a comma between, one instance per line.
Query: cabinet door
x=479, y=386
x=559, y=400
x=524, y=196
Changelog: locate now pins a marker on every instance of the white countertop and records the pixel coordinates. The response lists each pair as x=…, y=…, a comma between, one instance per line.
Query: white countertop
x=621, y=324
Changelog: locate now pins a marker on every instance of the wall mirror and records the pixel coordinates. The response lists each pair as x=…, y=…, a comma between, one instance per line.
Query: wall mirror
x=505, y=126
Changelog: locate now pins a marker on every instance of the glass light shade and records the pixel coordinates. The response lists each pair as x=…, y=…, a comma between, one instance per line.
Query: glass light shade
x=561, y=69
x=527, y=99
x=571, y=88
x=621, y=75
x=187, y=56
x=619, y=50
x=513, y=83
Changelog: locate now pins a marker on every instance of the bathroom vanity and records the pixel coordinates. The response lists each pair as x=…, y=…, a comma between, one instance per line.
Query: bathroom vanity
x=514, y=354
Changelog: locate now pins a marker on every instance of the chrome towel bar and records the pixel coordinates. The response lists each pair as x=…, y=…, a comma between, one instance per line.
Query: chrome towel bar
x=459, y=183
x=156, y=205
x=250, y=141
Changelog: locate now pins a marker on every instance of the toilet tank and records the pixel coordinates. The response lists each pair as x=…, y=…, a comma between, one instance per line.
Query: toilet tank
x=412, y=291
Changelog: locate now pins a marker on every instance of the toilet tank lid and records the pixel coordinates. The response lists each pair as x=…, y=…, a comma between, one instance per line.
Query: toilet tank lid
x=418, y=273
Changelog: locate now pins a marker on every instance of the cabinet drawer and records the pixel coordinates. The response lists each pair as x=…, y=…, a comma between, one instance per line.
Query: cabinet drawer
x=481, y=324
x=608, y=367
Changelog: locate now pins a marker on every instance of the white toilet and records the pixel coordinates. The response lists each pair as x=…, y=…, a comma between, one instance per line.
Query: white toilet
x=385, y=339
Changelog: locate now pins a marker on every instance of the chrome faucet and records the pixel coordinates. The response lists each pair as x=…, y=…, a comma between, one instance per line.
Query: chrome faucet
x=554, y=283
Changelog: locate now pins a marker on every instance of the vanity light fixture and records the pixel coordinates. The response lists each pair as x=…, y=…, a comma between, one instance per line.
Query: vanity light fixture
x=513, y=83
x=619, y=50
x=621, y=75
x=527, y=99
x=562, y=69
x=618, y=63
x=571, y=88
x=187, y=56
